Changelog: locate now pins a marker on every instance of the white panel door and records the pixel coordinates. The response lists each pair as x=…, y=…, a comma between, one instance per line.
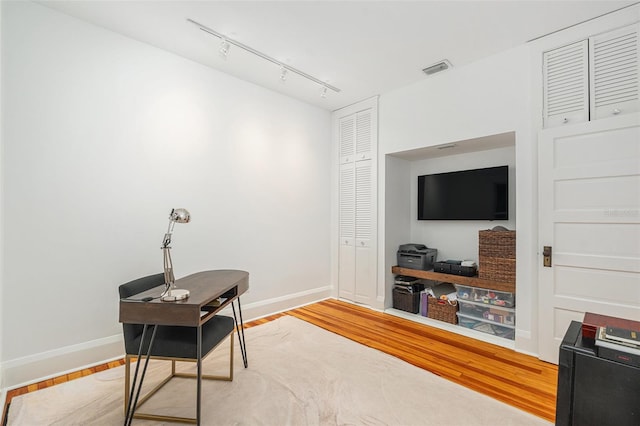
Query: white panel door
x=589, y=186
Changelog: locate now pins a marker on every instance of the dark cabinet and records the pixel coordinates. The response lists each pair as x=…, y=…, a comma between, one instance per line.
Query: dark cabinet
x=593, y=390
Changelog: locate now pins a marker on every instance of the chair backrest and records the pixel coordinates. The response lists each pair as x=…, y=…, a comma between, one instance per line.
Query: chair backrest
x=131, y=331
x=141, y=284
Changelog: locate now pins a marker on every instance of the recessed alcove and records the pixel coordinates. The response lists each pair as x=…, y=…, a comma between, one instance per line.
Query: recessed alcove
x=454, y=239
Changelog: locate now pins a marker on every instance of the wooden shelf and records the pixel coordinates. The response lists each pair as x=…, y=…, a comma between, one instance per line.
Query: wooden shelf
x=455, y=279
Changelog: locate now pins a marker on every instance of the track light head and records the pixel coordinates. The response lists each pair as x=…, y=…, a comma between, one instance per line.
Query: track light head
x=323, y=93
x=224, y=48
x=283, y=74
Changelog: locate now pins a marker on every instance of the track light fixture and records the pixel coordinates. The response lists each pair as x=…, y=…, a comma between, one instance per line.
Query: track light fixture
x=226, y=43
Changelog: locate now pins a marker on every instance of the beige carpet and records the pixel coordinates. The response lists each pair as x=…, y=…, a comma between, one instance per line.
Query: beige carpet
x=298, y=374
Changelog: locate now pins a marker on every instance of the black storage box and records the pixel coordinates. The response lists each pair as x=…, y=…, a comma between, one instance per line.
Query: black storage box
x=454, y=267
x=442, y=267
x=407, y=298
x=466, y=271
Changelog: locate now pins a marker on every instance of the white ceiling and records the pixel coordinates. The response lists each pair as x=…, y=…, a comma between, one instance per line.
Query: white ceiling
x=364, y=48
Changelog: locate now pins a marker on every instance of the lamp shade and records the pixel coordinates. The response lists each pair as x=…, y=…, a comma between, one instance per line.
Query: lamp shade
x=180, y=216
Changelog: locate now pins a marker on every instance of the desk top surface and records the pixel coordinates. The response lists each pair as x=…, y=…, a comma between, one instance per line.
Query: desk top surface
x=204, y=287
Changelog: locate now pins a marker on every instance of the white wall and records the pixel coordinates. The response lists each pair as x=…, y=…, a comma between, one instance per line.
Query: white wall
x=102, y=136
x=2, y=387
x=488, y=97
x=395, y=217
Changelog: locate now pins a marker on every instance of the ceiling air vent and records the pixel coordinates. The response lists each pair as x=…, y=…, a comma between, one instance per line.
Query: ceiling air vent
x=446, y=146
x=440, y=66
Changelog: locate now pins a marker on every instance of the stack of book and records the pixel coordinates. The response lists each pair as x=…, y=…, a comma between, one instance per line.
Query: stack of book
x=619, y=344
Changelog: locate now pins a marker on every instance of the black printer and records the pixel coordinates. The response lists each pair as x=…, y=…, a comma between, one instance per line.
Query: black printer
x=416, y=256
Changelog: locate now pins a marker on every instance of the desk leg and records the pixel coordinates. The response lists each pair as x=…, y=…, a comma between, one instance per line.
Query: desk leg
x=199, y=373
x=239, y=330
x=131, y=405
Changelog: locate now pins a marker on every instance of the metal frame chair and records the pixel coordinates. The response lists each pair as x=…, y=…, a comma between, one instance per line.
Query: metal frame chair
x=172, y=343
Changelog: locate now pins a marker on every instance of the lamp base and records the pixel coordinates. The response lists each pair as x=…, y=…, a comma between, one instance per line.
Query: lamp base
x=174, y=295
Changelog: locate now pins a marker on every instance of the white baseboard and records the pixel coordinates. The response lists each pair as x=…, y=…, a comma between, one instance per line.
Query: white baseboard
x=42, y=366
x=373, y=308
x=263, y=308
x=46, y=365
x=3, y=398
x=524, y=334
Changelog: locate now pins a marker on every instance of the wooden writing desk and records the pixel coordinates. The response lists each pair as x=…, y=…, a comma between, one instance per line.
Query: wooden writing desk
x=205, y=288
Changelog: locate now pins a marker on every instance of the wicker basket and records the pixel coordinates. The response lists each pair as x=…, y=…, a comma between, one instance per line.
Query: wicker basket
x=442, y=310
x=497, y=256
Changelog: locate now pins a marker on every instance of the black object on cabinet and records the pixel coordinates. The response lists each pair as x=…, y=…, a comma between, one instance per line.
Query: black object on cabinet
x=594, y=391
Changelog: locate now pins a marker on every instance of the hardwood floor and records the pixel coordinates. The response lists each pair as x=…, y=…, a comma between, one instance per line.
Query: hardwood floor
x=516, y=379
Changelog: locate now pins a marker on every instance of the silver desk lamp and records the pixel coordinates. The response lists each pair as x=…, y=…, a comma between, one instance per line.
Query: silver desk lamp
x=171, y=293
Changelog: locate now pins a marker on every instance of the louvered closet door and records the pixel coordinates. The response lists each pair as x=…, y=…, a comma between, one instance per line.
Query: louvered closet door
x=357, y=140
x=614, y=68
x=364, y=130
x=566, y=84
x=347, y=231
x=347, y=142
x=364, y=242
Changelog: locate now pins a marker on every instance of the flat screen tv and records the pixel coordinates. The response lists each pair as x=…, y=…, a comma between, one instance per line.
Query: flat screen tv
x=479, y=194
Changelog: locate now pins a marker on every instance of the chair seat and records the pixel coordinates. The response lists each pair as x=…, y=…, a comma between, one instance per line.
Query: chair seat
x=174, y=343
x=179, y=342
